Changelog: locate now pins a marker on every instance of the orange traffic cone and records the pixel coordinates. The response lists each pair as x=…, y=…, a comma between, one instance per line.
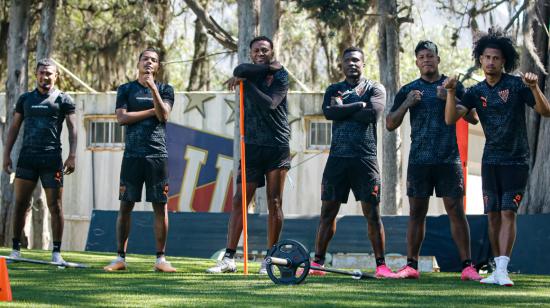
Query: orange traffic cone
x=5, y=289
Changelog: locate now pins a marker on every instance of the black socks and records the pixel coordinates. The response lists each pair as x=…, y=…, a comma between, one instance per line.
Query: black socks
x=230, y=253
x=466, y=263
x=380, y=261
x=412, y=263
x=56, y=246
x=16, y=244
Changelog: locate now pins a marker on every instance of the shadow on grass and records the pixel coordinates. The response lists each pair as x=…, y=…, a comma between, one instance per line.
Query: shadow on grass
x=35, y=285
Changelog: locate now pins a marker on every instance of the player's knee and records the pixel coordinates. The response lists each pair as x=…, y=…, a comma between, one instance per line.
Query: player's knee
x=55, y=208
x=22, y=206
x=126, y=208
x=373, y=218
x=328, y=217
x=274, y=201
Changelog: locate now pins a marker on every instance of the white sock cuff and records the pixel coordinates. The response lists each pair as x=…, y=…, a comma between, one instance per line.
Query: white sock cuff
x=161, y=259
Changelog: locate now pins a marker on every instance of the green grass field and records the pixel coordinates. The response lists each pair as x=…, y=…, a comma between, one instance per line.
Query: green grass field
x=40, y=286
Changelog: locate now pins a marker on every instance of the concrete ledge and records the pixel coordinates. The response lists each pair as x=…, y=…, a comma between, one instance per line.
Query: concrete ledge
x=395, y=262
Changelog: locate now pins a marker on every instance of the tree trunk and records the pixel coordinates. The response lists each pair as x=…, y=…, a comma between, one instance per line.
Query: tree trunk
x=46, y=35
x=247, y=10
x=388, y=54
x=537, y=194
x=270, y=14
x=44, y=49
x=199, y=77
x=16, y=84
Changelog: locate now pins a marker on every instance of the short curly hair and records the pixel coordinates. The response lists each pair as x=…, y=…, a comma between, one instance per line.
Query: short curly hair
x=496, y=39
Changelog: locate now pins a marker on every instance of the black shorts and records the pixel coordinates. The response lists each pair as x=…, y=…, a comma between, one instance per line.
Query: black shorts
x=447, y=179
x=261, y=159
x=137, y=171
x=48, y=169
x=358, y=174
x=503, y=186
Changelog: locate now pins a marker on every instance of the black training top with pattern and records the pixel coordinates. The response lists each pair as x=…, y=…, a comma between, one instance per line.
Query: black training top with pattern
x=43, y=121
x=265, y=104
x=146, y=138
x=432, y=141
x=501, y=111
x=354, y=126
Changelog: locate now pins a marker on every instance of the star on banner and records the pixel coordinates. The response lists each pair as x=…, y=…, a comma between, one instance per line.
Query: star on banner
x=197, y=100
x=231, y=104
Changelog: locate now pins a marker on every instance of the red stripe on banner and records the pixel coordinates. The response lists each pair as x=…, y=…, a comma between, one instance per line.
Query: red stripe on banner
x=173, y=203
x=462, y=140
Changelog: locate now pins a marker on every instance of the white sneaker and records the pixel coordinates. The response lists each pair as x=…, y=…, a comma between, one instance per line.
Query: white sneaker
x=503, y=279
x=491, y=279
x=57, y=258
x=263, y=268
x=15, y=254
x=224, y=265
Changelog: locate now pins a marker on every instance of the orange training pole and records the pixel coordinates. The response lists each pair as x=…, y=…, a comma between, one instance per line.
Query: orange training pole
x=243, y=177
x=462, y=140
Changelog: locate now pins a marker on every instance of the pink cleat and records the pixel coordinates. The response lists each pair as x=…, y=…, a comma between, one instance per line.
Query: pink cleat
x=470, y=273
x=384, y=271
x=317, y=272
x=312, y=271
x=407, y=272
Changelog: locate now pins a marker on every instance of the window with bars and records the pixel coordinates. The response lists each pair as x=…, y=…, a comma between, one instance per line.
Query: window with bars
x=105, y=134
x=319, y=134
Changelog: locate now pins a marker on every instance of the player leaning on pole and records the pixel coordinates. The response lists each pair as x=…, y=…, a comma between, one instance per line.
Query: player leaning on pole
x=143, y=106
x=354, y=105
x=266, y=144
x=434, y=161
x=42, y=112
x=500, y=103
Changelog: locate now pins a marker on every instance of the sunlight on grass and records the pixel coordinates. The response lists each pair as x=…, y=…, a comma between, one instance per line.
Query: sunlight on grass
x=46, y=286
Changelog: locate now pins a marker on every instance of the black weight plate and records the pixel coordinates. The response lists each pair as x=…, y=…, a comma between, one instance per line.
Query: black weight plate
x=299, y=257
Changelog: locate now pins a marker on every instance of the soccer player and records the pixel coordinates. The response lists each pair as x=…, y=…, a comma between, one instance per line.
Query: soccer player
x=266, y=144
x=354, y=105
x=434, y=161
x=500, y=102
x=143, y=106
x=42, y=112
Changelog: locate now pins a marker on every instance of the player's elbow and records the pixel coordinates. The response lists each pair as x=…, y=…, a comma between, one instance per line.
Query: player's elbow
x=238, y=71
x=545, y=113
x=390, y=124
x=449, y=120
x=122, y=119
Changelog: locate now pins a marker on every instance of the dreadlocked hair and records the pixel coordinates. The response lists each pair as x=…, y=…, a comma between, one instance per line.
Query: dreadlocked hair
x=497, y=39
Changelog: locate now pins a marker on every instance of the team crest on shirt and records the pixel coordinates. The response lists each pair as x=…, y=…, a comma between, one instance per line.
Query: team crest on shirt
x=504, y=95
x=483, y=101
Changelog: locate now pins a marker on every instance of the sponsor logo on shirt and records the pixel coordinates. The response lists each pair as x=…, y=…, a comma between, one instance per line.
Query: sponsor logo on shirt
x=144, y=98
x=483, y=101
x=504, y=95
x=40, y=106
